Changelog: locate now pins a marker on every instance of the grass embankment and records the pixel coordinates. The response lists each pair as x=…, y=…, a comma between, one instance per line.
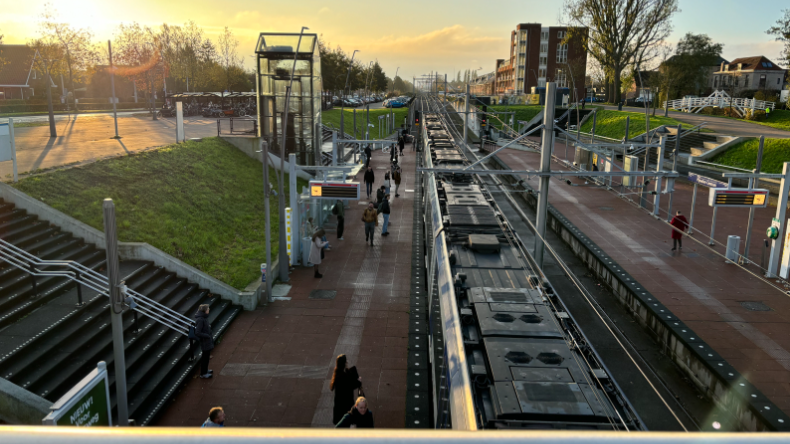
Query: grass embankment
x=332, y=118
x=612, y=124
x=523, y=112
x=201, y=202
x=779, y=119
x=744, y=155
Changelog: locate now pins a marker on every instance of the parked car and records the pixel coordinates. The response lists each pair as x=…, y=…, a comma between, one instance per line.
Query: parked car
x=591, y=99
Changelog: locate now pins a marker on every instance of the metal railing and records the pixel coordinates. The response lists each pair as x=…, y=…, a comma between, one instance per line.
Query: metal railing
x=691, y=103
x=238, y=126
x=94, y=280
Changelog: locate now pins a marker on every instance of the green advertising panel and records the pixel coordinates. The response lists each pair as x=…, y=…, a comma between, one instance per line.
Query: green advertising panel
x=85, y=405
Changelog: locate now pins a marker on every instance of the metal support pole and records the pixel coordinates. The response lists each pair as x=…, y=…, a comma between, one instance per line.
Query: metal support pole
x=659, y=167
x=116, y=311
x=466, y=114
x=713, y=227
x=267, y=217
x=13, y=147
x=753, y=183
x=545, y=166
x=33, y=279
x=112, y=86
x=445, y=88
x=627, y=125
x=592, y=134
x=334, y=149
x=674, y=168
x=79, y=290
x=295, y=216
x=693, y=205
x=781, y=214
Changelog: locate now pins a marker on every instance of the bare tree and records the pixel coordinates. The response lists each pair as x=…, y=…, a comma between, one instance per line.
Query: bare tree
x=228, y=57
x=48, y=60
x=621, y=32
x=78, y=54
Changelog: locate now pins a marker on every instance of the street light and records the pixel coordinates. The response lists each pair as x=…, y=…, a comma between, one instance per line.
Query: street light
x=281, y=197
x=343, y=99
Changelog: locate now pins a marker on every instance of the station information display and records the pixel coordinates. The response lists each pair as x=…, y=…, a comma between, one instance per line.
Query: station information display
x=334, y=190
x=738, y=197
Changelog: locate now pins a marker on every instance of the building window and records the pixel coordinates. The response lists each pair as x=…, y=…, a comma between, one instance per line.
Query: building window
x=746, y=81
x=561, y=34
x=542, y=73
x=544, y=48
x=778, y=80
x=543, y=60
x=544, y=36
x=560, y=79
x=562, y=53
x=716, y=82
x=762, y=81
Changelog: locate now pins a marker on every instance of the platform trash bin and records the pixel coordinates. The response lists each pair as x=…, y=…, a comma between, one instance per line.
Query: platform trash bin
x=733, y=247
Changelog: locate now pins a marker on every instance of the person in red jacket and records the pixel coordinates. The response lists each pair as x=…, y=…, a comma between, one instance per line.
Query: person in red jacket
x=679, y=222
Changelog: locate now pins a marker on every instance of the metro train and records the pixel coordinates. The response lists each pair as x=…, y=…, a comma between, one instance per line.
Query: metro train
x=505, y=352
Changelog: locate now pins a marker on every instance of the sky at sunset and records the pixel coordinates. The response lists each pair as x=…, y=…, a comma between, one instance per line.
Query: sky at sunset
x=417, y=36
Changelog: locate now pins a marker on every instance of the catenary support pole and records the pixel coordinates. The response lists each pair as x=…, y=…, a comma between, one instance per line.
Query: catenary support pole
x=659, y=167
x=753, y=183
x=112, y=86
x=466, y=114
x=267, y=217
x=781, y=215
x=627, y=125
x=674, y=168
x=592, y=134
x=116, y=311
x=294, y=202
x=713, y=227
x=547, y=139
x=693, y=205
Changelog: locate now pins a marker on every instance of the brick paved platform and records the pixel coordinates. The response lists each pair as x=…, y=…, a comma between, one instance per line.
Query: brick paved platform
x=273, y=367
x=695, y=284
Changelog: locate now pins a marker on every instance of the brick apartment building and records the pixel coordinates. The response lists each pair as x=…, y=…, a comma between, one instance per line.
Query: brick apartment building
x=538, y=55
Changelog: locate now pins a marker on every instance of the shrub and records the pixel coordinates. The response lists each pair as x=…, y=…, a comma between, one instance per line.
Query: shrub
x=756, y=115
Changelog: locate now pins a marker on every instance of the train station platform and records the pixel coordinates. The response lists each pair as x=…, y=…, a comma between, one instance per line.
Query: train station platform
x=273, y=367
x=743, y=317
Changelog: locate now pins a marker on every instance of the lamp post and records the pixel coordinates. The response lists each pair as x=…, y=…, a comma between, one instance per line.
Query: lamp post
x=151, y=87
x=367, y=102
x=281, y=197
x=345, y=87
x=392, y=115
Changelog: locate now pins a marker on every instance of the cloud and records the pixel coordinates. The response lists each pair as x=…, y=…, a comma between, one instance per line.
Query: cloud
x=451, y=40
x=323, y=10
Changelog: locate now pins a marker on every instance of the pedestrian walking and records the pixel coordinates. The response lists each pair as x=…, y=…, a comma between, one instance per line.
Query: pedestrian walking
x=401, y=143
x=396, y=177
x=380, y=193
x=203, y=332
x=344, y=382
x=384, y=208
x=679, y=222
x=359, y=417
x=317, y=251
x=370, y=178
x=216, y=418
x=368, y=153
x=387, y=183
x=394, y=153
x=371, y=219
x=339, y=210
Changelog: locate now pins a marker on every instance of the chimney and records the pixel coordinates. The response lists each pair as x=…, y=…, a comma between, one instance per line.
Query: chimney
x=721, y=68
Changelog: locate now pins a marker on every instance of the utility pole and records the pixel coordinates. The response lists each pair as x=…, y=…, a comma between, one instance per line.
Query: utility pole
x=53, y=132
x=112, y=85
x=116, y=311
x=753, y=183
x=547, y=142
x=267, y=217
x=674, y=168
x=781, y=214
x=466, y=114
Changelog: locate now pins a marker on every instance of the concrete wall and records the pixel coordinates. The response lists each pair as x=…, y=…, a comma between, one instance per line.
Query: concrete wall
x=249, y=298
x=704, y=367
x=19, y=406
x=249, y=146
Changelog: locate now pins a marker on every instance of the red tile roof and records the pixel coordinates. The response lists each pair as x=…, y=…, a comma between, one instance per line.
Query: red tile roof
x=15, y=64
x=759, y=63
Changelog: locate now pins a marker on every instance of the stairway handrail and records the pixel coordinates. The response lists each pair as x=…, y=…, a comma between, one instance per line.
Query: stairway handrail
x=95, y=281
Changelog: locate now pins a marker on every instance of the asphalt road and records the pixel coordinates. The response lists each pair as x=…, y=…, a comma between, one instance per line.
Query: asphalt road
x=718, y=124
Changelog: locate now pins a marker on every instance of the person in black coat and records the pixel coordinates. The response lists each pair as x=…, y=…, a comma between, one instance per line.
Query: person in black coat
x=368, y=153
x=203, y=332
x=401, y=144
x=359, y=417
x=344, y=382
x=369, y=179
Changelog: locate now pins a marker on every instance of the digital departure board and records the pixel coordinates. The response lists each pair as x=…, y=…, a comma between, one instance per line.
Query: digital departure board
x=738, y=197
x=334, y=190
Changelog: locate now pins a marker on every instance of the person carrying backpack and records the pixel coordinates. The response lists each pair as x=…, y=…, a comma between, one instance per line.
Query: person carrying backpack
x=203, y=333
x=396, y=177
x=387, y=183
x=384, y=208
x=369, y=178
x=340, y=211
x=371, y=219
x=380, y=193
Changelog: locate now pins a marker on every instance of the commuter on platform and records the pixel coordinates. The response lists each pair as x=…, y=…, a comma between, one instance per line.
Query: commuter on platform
x=384, y=208
x=396, y=177
x=371, y=219
x=344, y=382
x=394, y=151
x=387, y=183
x=679, y=222
x=369, y=179
x=380, y=193
x=401, y=143
x=310, y=228
x=340, y=211
x=368, y=153
x=216, y=418
x=359, y=417
x=203, y=332
x=316, y=251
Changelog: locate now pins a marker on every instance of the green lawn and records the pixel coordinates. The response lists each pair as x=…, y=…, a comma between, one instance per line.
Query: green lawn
x=201, y=202
x=611, y=124
x=744, y=155
x=332, y=118
x=779, y=119
x=523, y=112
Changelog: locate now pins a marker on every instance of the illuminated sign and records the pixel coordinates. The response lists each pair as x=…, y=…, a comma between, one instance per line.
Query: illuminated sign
x=738, y=197
x=334, y=190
